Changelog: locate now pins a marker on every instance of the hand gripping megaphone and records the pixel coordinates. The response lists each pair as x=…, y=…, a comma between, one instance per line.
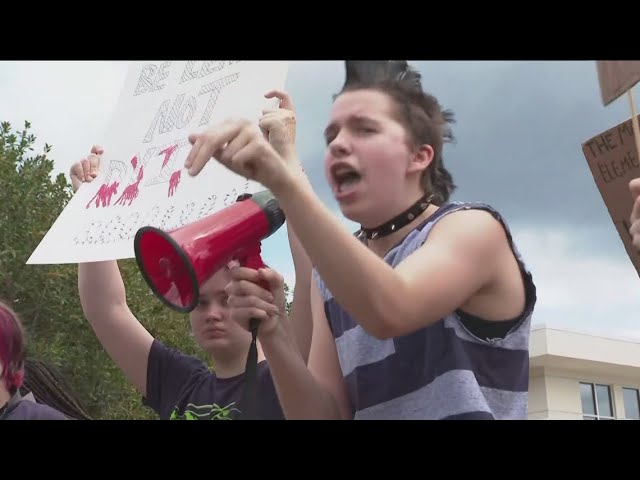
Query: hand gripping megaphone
x=176, y=263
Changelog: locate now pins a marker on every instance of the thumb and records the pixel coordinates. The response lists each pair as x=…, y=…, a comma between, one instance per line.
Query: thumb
x=94, y=163
x=634, y=188
x=97, y=150
x=273, y=279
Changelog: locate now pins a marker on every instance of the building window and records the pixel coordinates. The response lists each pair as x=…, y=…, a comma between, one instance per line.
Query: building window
x=631, y=403
x=596, y=402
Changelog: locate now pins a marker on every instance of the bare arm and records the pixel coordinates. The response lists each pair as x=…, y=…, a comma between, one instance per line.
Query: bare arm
x=104, y=303
x=317, y=392
x=466, y=250
x=300, y=316
x=634, y=230
x=461, y=259
x=279, y=127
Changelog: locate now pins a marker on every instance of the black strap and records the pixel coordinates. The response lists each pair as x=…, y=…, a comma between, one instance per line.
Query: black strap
x=13, y=402
x=250, y=400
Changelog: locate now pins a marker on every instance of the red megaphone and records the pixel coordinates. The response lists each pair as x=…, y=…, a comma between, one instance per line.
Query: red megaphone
x=176, y=263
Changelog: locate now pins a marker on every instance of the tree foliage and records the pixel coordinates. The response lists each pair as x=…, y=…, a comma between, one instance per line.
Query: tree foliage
x=46, y=296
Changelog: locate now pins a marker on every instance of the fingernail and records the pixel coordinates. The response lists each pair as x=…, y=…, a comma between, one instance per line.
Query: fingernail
x=270, y=297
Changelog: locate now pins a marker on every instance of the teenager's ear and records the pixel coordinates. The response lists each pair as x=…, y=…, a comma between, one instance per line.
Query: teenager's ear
x=421, y=159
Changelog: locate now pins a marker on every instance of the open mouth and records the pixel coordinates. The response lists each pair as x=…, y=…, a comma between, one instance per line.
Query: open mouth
x=344, y=177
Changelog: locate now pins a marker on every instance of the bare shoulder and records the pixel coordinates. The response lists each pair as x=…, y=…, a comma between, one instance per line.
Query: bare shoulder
x=477, y=238
x=474, y=229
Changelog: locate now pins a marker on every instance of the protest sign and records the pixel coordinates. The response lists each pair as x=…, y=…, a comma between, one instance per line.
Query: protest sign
x=142, y=179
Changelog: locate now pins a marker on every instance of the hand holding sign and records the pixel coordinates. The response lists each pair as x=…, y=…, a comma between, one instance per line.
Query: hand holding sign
x=86, y=169
x=613, y=160
x=634, y=187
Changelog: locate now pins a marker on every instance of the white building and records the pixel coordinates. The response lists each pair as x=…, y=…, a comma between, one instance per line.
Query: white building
x=582, y=376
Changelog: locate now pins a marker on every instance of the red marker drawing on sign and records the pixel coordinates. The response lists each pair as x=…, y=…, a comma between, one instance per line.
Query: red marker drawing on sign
x=173, y=182
x=167, y=152
x=131, y=192
x=103, y=197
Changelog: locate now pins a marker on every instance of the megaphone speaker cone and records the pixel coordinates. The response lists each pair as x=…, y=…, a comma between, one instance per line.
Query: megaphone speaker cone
x=166, y=268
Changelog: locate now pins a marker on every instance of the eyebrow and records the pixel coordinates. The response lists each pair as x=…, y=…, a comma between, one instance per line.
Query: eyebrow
x=214, y=294
x=353, y=119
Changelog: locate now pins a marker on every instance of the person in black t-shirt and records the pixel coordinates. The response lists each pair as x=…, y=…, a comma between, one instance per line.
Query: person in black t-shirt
x=179, y=386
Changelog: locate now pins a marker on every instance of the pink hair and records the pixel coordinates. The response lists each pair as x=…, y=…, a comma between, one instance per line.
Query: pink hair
x=11, y=349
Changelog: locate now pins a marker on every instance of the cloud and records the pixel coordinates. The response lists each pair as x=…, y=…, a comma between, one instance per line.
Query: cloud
x=67, y=103
x=520, y=128
x=592, y=293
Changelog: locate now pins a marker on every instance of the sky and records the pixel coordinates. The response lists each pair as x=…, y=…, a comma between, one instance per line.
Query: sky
x=520, y=127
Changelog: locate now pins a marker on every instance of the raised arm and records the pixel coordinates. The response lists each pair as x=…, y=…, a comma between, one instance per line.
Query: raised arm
x=279, y=127
x=300, y=315
x=634, y=230
x=104, y=302
x=466, y=252
x=466, y=249
x=316, y=392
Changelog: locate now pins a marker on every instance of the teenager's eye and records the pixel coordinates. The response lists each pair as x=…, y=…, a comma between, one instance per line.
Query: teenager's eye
x=203, y=303
x=329, y=138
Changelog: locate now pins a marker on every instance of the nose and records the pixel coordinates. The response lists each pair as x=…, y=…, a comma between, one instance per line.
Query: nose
x=214, y=314
x=339, y=146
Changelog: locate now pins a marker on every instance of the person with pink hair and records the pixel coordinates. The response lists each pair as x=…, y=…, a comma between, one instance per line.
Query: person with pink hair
x=12, y=352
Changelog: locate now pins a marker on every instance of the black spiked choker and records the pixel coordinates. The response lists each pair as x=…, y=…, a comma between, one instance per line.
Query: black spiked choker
x=396, y=223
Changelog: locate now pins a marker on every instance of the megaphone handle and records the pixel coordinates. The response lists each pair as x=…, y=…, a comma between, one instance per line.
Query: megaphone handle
x=254, y=261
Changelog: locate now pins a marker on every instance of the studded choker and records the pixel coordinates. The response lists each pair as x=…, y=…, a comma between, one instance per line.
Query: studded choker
x=396, y=223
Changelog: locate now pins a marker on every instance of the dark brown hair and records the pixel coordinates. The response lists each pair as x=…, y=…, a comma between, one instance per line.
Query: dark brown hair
x=419, y=112
x=49, y=387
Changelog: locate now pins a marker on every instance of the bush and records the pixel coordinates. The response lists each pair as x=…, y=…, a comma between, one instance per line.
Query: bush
x=46, y=296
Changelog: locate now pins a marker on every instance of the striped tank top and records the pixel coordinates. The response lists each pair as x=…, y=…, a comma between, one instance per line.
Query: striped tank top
x=443, y=371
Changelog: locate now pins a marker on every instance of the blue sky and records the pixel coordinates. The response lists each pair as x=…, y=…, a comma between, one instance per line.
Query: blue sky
x=520, y=126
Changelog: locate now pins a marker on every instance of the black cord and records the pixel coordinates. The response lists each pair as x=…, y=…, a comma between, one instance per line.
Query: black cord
x=251, y=391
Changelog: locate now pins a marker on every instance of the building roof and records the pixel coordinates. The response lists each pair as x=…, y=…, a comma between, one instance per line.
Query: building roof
x=584, y=352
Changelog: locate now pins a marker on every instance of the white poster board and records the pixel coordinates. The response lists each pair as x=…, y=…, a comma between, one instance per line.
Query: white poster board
x=142, y=179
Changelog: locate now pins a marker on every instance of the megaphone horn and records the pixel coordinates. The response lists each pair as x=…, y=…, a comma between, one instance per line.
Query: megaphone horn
x=176, y=263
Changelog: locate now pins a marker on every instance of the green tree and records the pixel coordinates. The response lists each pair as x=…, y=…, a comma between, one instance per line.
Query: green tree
x=287, y=293
x=46, y=296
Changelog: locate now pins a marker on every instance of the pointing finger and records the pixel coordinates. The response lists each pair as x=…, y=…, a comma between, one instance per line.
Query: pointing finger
x=285, y=99
x=213, y=142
